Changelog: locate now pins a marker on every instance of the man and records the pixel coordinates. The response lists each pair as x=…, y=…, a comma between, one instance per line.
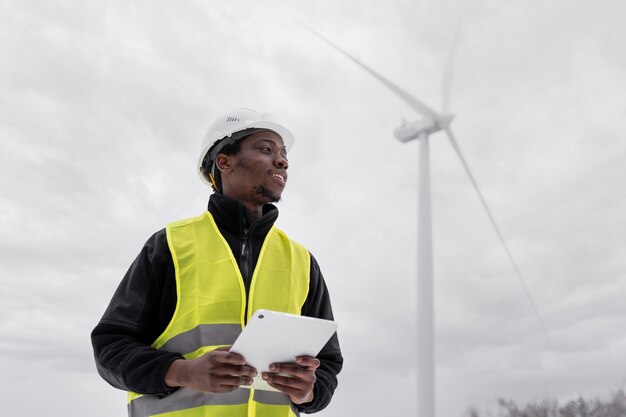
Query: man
x=165, y=334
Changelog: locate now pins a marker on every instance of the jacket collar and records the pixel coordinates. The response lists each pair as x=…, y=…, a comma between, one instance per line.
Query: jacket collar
x=232, y=216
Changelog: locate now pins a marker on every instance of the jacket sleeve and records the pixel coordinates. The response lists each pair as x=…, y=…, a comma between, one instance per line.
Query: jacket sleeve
x=318, y=305
x=137, y=314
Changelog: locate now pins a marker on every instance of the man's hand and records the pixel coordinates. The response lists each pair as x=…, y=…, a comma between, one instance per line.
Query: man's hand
x=217, y=371
x=298, y=385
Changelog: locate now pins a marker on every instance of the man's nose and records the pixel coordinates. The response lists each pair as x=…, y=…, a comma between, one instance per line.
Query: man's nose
x=281, y=162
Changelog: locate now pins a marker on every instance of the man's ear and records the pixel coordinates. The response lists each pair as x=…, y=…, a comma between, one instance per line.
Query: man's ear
x=223, y=163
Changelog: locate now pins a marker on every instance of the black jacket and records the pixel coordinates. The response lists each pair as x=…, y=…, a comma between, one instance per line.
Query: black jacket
x=144, y=304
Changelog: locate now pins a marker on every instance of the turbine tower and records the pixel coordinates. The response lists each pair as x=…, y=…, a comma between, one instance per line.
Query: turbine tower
x=432, y=122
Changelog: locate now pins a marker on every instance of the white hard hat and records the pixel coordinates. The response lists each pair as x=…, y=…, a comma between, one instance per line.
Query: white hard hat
x=224, y=130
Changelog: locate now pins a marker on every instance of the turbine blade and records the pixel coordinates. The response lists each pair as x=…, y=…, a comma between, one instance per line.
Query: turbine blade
x=518, y=273
x=414, y=103
x=449, y=70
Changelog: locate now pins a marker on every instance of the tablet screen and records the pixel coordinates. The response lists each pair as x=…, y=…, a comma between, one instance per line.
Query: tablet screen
x=272, y=336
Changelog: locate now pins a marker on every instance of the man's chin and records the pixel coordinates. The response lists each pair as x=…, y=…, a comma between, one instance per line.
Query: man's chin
x=267, y=196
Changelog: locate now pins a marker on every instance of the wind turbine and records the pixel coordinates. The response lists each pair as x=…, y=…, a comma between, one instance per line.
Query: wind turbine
x=420, y=129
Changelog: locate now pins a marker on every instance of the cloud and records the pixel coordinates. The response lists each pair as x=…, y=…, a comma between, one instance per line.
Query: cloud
x=103, y=108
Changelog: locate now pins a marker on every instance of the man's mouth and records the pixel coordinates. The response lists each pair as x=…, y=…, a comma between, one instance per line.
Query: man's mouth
x=280, y=178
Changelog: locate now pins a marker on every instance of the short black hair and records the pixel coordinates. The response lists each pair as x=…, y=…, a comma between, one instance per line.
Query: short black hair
x=207, y=164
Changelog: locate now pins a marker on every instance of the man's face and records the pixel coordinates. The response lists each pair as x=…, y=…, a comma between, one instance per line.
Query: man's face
x=259, y=169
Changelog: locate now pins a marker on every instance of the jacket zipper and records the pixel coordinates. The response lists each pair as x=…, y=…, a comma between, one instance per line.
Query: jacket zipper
x=245, y=270
x=244, y=254
x=245, y=260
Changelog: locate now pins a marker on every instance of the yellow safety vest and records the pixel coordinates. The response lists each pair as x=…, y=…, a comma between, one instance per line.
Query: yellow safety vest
x=210, y=313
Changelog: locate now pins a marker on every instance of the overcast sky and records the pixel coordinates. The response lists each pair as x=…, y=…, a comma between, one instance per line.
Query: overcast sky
x=102, y=109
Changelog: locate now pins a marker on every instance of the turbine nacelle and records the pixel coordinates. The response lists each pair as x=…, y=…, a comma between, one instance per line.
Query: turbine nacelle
x=425, y=126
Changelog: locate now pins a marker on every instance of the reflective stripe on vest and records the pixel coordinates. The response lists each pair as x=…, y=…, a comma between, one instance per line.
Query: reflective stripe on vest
x=210, y=312
x=230, y=404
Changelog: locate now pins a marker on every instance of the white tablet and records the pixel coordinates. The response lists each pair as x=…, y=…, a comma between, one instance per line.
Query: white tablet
x=272, y=336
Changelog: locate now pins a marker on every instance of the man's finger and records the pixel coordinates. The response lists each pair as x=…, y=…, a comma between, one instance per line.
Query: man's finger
x=288, y=383
x=236, y=381
x=293, y=369
x=308, y=362
x=235, y=370
x=227, y=358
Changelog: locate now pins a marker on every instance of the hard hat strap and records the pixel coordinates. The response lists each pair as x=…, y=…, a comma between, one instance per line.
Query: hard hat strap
x=212, y=178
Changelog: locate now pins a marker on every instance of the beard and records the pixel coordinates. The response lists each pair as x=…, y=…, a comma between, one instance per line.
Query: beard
x=268, y=197
x=260, y=193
